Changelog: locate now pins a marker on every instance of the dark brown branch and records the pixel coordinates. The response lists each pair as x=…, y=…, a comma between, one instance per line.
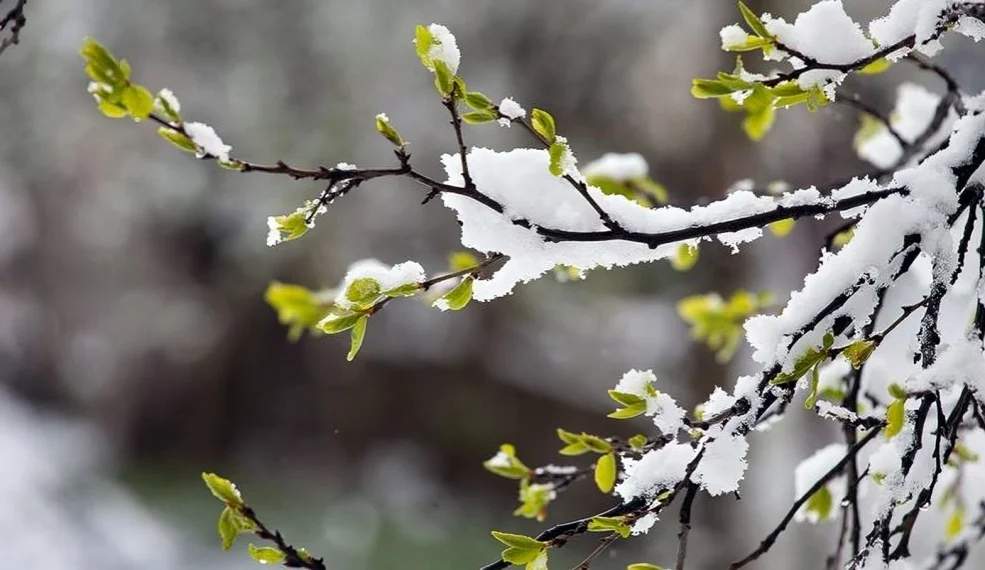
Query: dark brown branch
x=831, y=473
x=293, y=557
x=16, y=19
x=685, y=520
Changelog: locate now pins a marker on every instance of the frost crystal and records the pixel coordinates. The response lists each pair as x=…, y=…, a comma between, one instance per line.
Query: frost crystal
x=208, y=141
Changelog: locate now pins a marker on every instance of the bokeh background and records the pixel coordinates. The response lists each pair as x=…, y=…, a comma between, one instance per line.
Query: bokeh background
x=136, y=350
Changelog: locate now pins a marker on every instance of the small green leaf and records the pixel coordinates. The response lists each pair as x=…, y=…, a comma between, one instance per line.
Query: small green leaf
x=895, y=415
x=405, y=290
x=955, y=524
x=781, y=228
x=112, y=110
x=518, y=541
x=609, y=524
x=876, y=67
x=753, y=21
x=539, y=562
x=630, y=411
x=357, y=336
x=459, y=297
x=605, y=472
x=266, y=554
x=758, y=123
x=339, y=322
x=478, y=101
x=557, y=151
x=821, y=503
x=444, y=81
x=897, y=391
x=177, y=139
x=573, y=449
x=625, y=398
x=815, y=379
x=227, y=528
x=223, y=489
x=519, y=555
x=685, y=257
x=362, y=291
x=480, y=117
x=543, y=123
x=709, y=89
x=858, y=352
x=637, y=442
x=567, y=436
x=643, y=566
x=384, y=127
x=507, y=464
x=462, y=260
x=423, y=41
x=595, y=443
x=138, y=100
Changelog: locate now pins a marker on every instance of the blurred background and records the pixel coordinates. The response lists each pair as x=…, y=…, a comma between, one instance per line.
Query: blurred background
x=136, y=349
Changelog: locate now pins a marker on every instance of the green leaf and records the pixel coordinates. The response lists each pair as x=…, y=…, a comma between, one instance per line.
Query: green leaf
x=519, y=555
x=858, y=352
x=138, y=101
x=423, y=41
x=297, y=307
x=709, y=89
x=758, y=123
x=444, y=81
x=557, y=150
x=518, y=541
x=291, y=226
x=955, y=524
x=177, y=139
x=223, y=489
x=821, y=503
x=459, y=297
x=869, y=127
x=534, y=500
x=595, y=443
x=637, y=442
x=384, y=127
x=462, y=260
x=478, y=101
x=895, y=416
x=605, y=473
x=356, y=339
x=876, y=67
x=643, y=566
x=513, y=467
x=753, y=21
x=567, y=436
x=405, y=290
x=573, y=449
x=539, y=562
x=781, y=228
x=815, y=379
x=227, y=528
x=339, y=322
x=543, y=124
x=112, y=110
x=630, y=411
x=609, y=524
x=803, y=365
x=363, y=291
x=266, y=554
x=625, y=398
x=480, y=117
x=897, y=391
x=685, y=257
x=751, y=43
x=164, y=105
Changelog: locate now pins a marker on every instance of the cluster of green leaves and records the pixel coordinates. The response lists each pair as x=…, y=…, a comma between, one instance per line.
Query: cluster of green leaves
x=235, y=520
x=606, y=467
x=523, y=550
x=534, y=497
x=298, y=307
x=115, y=94
x=718, y=322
